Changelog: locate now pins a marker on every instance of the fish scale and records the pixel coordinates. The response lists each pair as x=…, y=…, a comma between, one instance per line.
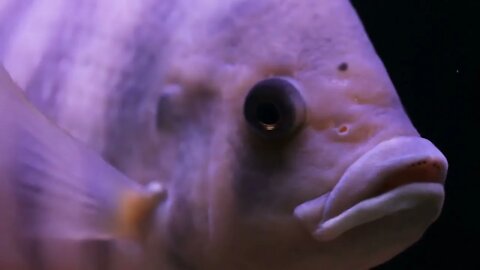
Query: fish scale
x=88, y=59
x=210, y=134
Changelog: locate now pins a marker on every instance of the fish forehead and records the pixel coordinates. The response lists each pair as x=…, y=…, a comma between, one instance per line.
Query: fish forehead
x=262, y=38
x=305, y=40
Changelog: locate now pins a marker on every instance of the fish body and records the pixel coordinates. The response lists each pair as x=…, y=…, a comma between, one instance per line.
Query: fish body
x=205, y=135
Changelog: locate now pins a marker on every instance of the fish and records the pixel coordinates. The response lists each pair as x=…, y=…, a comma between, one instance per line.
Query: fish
x=195, y=135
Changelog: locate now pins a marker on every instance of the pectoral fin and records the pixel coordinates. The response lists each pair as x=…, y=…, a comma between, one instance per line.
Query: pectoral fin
x=57, y=193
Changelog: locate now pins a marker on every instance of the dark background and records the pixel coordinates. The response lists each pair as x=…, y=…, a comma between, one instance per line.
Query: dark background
x=430, y=51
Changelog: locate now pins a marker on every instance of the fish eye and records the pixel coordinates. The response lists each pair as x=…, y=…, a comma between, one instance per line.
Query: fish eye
x=274, y=108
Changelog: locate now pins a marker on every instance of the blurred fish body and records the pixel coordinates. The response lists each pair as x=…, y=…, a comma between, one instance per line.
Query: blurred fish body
x=204, y=135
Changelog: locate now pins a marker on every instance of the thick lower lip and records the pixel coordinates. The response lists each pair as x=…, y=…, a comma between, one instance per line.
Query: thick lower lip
x=399, y=174
x=403, y=198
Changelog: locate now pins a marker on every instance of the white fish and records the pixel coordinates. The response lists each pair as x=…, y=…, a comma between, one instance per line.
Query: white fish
x=199, y=135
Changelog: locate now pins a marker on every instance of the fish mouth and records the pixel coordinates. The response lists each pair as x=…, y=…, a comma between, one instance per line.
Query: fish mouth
x=397, y=175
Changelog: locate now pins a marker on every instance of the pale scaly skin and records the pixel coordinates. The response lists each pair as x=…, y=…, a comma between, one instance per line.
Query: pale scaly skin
x=157, y=89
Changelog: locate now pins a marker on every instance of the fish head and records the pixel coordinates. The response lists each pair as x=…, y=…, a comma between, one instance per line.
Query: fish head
x=310, y=160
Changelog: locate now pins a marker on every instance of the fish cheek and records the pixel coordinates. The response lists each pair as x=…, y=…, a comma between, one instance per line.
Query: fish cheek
x=259, y=173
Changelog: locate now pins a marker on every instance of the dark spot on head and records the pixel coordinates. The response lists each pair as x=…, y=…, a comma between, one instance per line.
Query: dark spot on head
x=343, y=66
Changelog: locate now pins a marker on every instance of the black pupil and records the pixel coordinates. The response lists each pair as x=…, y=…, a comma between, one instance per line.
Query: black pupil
x=267, y=114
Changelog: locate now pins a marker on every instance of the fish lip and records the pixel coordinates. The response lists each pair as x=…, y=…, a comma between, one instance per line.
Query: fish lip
x=406, y=197
x=371, y=175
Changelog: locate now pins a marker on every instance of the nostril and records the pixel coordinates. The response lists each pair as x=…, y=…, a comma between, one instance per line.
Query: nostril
x=342, y=130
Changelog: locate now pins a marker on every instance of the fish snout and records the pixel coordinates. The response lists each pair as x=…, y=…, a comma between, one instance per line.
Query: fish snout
x=398, y=175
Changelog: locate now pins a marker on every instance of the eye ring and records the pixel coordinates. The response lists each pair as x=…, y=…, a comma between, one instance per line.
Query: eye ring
x=274, y=108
